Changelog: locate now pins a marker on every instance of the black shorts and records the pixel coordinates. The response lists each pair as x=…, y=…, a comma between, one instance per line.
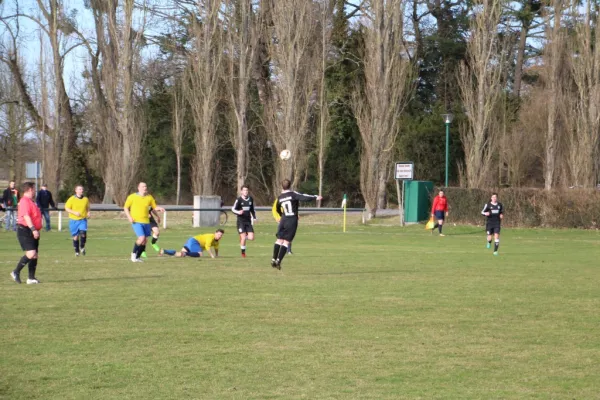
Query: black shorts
x=153, y=223
x=491, y=229
x=244, y=226
x=440, y=215
x=286, y=230
x=26, y=239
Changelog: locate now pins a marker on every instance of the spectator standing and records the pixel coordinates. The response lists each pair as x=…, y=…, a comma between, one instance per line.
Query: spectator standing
x=44, y=201
x=10, y=199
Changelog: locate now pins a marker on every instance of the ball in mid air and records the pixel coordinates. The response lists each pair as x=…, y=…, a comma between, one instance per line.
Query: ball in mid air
x=285, y=155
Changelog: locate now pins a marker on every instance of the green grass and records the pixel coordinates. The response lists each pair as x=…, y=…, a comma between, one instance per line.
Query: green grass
x=380, y=312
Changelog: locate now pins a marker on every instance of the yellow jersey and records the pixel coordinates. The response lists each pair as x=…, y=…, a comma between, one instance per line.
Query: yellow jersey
x=138, y=207
x=274, y=211
x=207, y=241
x=81, y=205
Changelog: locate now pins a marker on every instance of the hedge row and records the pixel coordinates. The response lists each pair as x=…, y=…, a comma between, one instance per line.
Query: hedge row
x=568, y=208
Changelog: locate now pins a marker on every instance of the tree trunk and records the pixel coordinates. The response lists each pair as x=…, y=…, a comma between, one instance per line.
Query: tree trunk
x=520, y=58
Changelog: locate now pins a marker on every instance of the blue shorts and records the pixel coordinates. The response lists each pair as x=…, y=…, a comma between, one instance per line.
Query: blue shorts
x=141, y=229
x=77, y=225
x=192, y=246
x=440, y=214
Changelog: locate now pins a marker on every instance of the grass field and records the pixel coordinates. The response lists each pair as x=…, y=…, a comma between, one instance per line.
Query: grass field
x=380, y=312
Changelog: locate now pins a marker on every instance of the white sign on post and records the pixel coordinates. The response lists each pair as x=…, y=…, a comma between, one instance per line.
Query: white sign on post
x=33, y=170
x=404, y=171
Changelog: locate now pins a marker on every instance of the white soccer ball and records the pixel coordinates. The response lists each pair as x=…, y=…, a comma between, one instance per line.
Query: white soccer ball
x=285, y=155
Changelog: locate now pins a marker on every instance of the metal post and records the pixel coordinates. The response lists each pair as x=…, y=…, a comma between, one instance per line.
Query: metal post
x=36, y=178
x=60, y=221
x=403, y=216
x=399, y=200
x=165, y=220
x=447, y=149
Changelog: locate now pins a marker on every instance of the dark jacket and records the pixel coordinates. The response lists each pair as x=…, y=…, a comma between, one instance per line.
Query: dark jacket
x=44, y=199
x=7, y=198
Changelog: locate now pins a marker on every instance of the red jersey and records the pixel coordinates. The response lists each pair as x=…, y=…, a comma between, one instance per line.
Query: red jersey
x=440, y=204
x=28, y=207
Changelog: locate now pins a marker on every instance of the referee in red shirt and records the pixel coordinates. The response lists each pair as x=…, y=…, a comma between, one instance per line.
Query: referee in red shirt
x=439, y=210
x=29, y=223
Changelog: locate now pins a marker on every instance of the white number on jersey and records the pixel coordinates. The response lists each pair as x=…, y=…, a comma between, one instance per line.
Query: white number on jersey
x=287, y=208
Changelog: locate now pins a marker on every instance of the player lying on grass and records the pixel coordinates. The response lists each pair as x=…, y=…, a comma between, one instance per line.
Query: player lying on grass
x=197, y=244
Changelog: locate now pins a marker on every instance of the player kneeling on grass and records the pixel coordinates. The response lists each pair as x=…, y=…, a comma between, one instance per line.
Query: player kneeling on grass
x=197, y=244
x=78, y=207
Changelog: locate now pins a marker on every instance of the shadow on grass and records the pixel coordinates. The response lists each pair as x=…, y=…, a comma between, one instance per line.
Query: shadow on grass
x=387, y=271
x=109, y=278
x=474, y=231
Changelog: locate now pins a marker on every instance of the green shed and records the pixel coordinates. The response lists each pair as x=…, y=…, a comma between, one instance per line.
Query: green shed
x=417, y=200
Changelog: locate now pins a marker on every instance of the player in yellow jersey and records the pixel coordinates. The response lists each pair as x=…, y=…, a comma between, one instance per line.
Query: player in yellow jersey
x=197, y=244
x=136, y=208
x=78, y=207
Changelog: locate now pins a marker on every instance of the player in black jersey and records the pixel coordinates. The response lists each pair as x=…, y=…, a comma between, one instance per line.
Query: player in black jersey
x=287, y=207
x=494, y=211
x=244, y=209
x=154, y=221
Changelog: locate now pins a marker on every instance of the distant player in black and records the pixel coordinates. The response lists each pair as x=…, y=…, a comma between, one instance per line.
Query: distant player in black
x=244, y=209
x=494, y=211
x=287, y=206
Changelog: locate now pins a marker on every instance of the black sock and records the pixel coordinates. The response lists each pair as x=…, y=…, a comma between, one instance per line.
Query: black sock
x=440, y=228
x=32, y=267
x=76, y=245
x=282, y=252
x=154, y=239
x=141, y=249
x=244, y=250
x=82, y=240
x=436, y=225
x=496, y=245
x=136, y=247
x=276, y=251
x=22, y=262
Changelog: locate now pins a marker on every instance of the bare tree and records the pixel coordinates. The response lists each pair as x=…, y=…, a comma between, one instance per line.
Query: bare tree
x=585, y=64
x=554, y=53
x=323, y=136
x=118, y=120
x=178, y=131
x=527, y=17
x=523, y=144
x=57, y=28
x=480, y=79
x=380, y=100
x=241, y=38
x=290, y=92
x=13, y=127
x=203, y=75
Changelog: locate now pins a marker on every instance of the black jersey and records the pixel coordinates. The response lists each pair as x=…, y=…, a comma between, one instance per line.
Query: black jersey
x=495, y=210
x=288, y=202
x=247, y=206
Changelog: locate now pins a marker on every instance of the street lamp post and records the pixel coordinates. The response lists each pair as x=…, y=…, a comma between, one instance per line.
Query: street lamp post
x=447, y=120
